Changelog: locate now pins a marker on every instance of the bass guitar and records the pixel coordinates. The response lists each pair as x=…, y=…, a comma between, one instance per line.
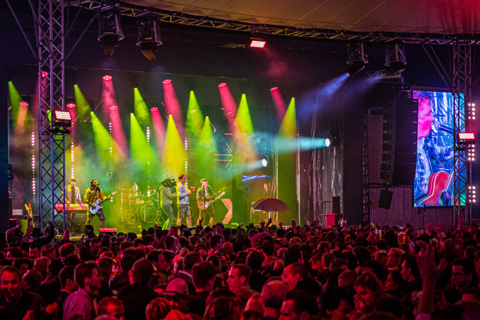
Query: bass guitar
x=99, y=202
x=204, y=204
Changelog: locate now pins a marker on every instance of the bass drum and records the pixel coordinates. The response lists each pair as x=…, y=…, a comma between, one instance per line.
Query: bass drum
x=148, y=214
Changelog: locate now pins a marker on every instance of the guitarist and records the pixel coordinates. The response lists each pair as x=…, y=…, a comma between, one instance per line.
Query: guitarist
x=91, y=195
x=204, y=194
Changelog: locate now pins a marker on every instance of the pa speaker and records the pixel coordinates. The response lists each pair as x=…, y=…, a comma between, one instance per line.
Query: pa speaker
x=385, y=199
x=336, y=204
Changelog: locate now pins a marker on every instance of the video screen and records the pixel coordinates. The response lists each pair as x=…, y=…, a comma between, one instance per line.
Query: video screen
x=434, y=183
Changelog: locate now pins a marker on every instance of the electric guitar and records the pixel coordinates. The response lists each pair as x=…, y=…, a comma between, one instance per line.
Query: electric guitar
x=99, y=202
x=204, y=204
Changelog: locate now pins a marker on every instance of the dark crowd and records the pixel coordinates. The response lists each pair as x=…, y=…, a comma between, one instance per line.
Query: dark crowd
x=257, y=272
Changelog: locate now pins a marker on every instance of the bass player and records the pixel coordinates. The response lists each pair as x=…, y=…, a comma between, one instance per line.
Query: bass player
x=93, y=194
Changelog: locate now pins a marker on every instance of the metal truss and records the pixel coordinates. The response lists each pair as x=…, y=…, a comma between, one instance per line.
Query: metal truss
x=51, y=75
x=132, y=10
x=365, y=184
x=462, y=82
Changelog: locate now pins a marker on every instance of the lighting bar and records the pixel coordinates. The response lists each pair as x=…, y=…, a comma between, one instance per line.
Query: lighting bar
x=471, y=110
x=257, y=43
x=24, y=104
x=466, y=136
x=71, y=106
x=107, y=77
x=472, y=194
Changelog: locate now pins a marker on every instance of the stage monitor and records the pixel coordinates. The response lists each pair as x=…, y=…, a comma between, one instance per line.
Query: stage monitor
x=434, y=183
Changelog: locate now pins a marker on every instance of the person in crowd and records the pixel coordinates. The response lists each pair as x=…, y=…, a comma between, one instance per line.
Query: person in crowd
x=298, y=304
x=111, y=306
x=80, y=303
x=272, y=295
x=463, y=274
x=138, y=294
x=24, y=304
x=238, y=283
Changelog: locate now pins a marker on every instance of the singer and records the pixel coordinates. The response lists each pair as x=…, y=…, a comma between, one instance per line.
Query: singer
x=182, y=200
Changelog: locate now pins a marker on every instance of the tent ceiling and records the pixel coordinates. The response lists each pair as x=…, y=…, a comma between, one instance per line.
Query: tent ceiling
x=402, y=16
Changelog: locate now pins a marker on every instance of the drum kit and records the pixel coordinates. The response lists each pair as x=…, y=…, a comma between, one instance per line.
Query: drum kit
x=138, y=207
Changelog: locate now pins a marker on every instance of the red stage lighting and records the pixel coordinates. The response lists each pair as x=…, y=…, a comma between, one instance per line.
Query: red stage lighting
x=113, y=107
x=167, y=81
x=154, y=109
x=466, y=136
x=257, y=43
x=62, y=115
x=107, y=77
x=274, y=89
x=23, y=104
x=44, y=74
x=71, y=106
x=222, y=85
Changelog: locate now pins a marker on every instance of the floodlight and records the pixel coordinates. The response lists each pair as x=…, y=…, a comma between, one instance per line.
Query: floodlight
x=148, y=38
x=395, y=59
x=109, y=32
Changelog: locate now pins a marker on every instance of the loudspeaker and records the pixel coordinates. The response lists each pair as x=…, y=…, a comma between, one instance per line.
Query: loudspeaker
x=385, y=199
x=336, y=204
x=399, y=146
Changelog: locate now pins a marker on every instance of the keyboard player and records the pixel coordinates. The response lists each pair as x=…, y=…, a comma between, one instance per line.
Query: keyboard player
x=72, y=196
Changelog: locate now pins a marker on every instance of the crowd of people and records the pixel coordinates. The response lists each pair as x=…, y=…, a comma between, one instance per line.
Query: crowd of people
x=257, y=272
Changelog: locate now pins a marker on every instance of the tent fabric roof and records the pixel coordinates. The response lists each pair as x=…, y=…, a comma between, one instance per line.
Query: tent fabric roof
x=402, y=16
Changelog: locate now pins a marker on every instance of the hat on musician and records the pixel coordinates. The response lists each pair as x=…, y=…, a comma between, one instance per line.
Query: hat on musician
x=73, y=179
x=203, y=180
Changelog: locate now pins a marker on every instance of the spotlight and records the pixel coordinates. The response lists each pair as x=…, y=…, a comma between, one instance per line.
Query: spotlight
x=24, y=104
x=222, y=85
x=44, y=74
x=264, y=162
x=395, y=59
x=356, y=57
x=107, y=77
x=62, y=122
x=148, y=38
x=327, y=142
x=154, y=109
x=71, y=106
x=257, y=43
x=167, y=81
x=109, y=32
x=113, y=108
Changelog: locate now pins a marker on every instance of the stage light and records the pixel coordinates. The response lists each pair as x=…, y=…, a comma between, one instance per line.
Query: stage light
x=109, y=31
x=44, y=74
x=327, y=142
x=62, y=122
x=466, y=136
x=395, y=59
x=356, y=57
x=471, y=111
x=71, y=105
x=257, y=43
x=472, y=194
x=274, y=89
x=264, y=162
x=154, y=109
x=148, y=38
x=107, y=77
x=167, y=81
x=24, y=104
x=113, y=108
x=222, y=85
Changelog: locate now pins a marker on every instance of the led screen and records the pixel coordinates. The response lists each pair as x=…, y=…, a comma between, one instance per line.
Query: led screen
x=433, y=185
